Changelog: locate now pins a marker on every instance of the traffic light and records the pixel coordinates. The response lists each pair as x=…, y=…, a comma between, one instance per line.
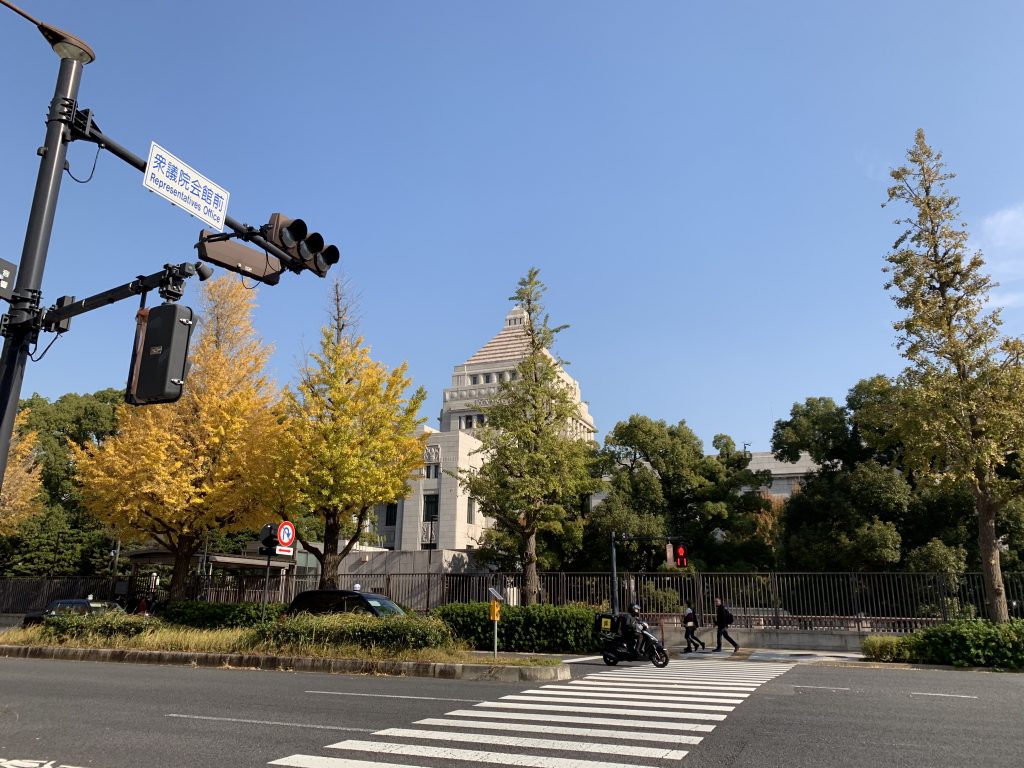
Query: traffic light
x=294, y=238
x=268, y=538
x=239, y=258
x=676, y=554
x=160, y=354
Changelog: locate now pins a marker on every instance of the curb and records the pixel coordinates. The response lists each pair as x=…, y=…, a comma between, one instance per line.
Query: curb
x=488, y=672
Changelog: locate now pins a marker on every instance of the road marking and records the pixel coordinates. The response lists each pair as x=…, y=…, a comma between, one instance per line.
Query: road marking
x=599, y=710
x=660, y=687
x=634, y=693
x=387, y=696
x=581, y=658
x=630, y=723
x=947, y=695
x=523, y=742
x=313, y=761
x=820, y=687
x=473, y=755
x=616, y=735
x=273, y=722
x=642, y=704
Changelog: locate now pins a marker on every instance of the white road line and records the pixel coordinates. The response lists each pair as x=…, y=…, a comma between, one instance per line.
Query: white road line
x=617, y=735
x=315, y=761
x=272, y=722
x=473, y=755
x=634, y=693
x=549, y=718
x=523, y=742
x=820, y=687
x=947, y=695
x=599, y=710
x=703, y=679
x=696, y=685
x=386, y=696
x=581, y=658
x=631, y=705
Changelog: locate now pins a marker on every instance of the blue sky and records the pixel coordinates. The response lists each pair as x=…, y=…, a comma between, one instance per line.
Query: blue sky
x=699, y=183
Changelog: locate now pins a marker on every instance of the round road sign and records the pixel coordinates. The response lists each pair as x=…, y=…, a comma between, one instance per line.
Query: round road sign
x=286, y=534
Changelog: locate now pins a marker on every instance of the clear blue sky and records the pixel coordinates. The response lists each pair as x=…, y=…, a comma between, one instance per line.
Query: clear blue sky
x=699, y=183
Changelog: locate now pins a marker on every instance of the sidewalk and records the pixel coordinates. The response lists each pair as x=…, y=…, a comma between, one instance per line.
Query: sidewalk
x=769, y=655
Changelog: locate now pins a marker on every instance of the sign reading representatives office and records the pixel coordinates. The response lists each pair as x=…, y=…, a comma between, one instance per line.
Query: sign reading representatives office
x=185, y=187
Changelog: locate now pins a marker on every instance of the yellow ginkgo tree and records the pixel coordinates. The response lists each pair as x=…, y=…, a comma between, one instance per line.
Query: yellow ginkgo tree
x=354, y=432
x=211, y=461
x=21, y=496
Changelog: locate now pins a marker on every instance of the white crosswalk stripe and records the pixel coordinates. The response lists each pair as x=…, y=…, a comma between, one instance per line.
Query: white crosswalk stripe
x=608, y=719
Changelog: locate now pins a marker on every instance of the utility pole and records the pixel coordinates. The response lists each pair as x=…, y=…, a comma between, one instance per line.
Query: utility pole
x=20, y=326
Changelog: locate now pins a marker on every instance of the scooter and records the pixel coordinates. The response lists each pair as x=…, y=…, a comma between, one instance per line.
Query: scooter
x=615, y=649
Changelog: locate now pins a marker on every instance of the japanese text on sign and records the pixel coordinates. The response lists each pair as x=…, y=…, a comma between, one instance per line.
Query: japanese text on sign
x=182, y=185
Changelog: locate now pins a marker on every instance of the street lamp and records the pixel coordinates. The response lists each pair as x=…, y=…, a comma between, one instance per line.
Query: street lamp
x=21, y=329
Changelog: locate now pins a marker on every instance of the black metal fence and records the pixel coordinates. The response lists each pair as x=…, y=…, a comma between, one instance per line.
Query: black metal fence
x=860, y=602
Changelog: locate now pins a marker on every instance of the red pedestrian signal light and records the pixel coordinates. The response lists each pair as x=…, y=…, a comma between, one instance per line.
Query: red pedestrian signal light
x=679, y=551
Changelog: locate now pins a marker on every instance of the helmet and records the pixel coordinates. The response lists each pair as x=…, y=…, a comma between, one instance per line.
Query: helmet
x=634, y=609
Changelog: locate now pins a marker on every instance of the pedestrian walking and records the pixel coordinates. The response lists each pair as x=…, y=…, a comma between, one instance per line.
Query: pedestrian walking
x=691, y=622
x=723, y=618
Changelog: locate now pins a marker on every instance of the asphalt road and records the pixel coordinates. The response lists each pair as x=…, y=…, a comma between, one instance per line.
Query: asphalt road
x=700, y=712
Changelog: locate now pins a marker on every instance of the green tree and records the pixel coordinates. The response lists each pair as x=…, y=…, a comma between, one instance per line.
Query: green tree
x=353, y=430
x=536, y=467
x=958, y=408
x=660, y=472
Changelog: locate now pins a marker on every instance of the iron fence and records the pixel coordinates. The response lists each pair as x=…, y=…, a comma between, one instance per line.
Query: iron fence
x=860, y=602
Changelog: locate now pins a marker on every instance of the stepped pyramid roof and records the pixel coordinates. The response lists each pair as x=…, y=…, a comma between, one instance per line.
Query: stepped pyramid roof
x=511, y=343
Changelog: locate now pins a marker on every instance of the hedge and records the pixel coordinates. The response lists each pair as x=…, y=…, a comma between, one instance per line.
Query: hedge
x=203, y=615
x=529, y=629
x=395, y=633
x=960, y=644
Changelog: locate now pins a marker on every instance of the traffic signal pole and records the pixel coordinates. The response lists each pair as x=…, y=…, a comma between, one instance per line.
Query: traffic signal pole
x=20, y=327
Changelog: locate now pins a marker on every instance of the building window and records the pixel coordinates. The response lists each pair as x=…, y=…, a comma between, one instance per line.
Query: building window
x=513, y=375
x=471, y=511
x=433, y=471
x=480, y=420
x=390, y=515
x=487, y=378
x=430, y=508
x=469, y=422
x=474, y=379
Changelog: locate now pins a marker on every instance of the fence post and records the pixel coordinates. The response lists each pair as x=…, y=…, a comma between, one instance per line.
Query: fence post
x=942, y=597
x=773, y=581
x=428, y=590
x=853, y=600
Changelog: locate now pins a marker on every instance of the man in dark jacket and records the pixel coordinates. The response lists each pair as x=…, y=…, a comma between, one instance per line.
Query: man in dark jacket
x=723, y=618
x=629, y=627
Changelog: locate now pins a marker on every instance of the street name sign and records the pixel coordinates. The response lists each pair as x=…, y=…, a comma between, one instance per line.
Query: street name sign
x=185, y=187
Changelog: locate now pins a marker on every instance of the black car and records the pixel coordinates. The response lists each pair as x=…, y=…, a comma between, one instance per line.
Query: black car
x=320, y=601
x=59, y=607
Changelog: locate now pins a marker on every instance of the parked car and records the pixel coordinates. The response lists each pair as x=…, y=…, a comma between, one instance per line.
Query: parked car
x=320, y=601
x=59, y=607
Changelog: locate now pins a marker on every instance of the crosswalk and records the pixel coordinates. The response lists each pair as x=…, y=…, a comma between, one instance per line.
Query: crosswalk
x=609, y=719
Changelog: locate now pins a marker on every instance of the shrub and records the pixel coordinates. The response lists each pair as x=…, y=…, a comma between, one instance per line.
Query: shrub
x=393, y=634
x=530, y=629
x=73, y=626
x=959, y=644
x=202, y=615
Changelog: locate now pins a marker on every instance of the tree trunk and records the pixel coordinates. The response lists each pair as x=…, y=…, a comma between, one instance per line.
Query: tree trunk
x=331, y=560
x=991, y=570
x=186, y=548
x=531, y=582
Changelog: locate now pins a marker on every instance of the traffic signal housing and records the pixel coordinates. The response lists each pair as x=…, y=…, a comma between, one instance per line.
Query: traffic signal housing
x=676, y=554
x=268, y=538
x=308, y=248
x=239, y=258
x=160, y=354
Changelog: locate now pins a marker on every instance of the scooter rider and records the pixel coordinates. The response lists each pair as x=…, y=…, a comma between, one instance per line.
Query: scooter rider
x=630, y=625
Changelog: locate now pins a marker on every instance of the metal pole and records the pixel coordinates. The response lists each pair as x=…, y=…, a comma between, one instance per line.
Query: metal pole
x=266, y=586
x=615, y=581
x=495, y=638
x=22, y=332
